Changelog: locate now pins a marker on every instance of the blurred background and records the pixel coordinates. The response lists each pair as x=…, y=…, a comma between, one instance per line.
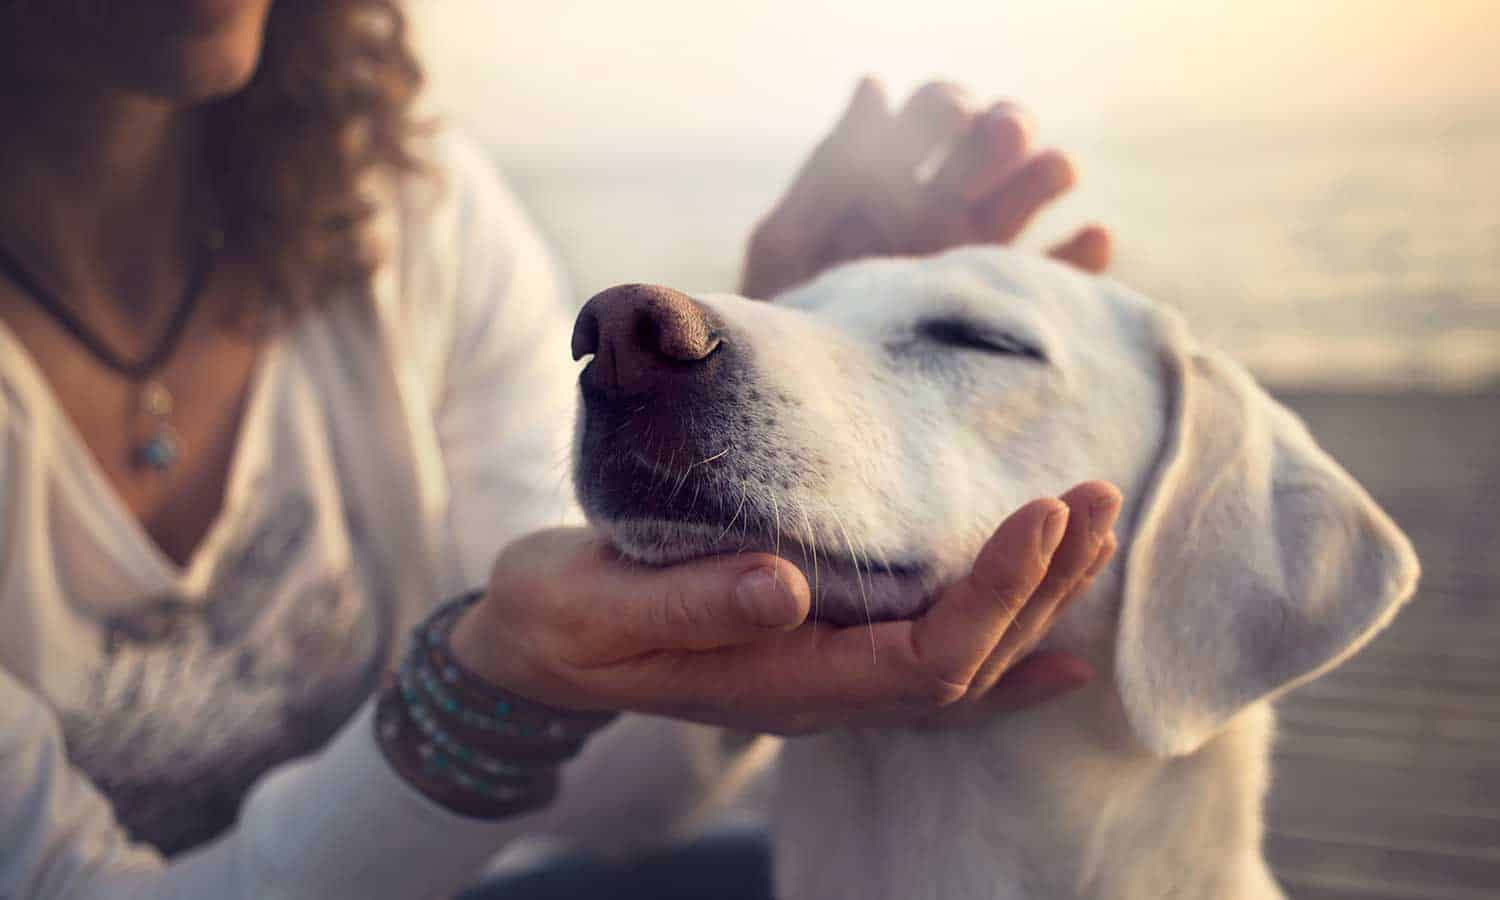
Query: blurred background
x=1315, y=183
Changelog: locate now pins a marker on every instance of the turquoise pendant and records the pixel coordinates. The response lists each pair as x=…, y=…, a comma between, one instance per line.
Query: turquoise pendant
x=161, y=449
x=158, y=452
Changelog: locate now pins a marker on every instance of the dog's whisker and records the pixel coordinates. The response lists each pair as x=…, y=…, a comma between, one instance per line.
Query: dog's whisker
x=730, y=526
x=705, y=461
x=858, y=579
x=681, y=481
x=667, y=470
x=745, y=528
x=802, y=545
x=812, y=545
x=776, y=523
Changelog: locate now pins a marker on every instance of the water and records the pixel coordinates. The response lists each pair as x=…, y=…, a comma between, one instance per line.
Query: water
x=1342, y=255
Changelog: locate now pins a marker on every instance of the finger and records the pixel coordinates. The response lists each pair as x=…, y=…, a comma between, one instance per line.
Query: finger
x=971, y=616
x=1040, y=180
x=828, y=181
x=1092, y=507
x=817, y=675
x=1106, y=552
x=935, y=114
x=1083, y=584
x=868, y=110
x=819, y=669
x=866, y=119
x=1036, y=679
x=983, y=158
x=628, y=609
x=1090, y=249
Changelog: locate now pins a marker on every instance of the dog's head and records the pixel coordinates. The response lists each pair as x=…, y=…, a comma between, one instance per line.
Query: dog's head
x=875, y=425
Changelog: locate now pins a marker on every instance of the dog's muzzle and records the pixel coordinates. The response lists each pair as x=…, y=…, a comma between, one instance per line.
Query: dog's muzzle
x=663, y=391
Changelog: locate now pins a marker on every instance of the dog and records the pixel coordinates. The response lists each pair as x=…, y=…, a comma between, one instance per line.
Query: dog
x=873, y=426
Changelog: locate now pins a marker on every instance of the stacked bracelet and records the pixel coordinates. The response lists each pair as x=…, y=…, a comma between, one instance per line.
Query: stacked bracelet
x=469, y=745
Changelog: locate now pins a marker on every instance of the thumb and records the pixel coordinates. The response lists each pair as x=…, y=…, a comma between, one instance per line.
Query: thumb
x=714, y=602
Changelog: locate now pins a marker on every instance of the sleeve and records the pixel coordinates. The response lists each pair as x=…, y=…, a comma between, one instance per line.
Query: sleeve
x=337, y=824
x=507, y=401
x=342, y=823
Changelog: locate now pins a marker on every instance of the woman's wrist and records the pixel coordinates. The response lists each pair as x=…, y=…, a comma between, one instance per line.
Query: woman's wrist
x=466, y=743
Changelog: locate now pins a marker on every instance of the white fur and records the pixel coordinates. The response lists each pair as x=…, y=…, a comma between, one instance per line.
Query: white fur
x=1248, y=562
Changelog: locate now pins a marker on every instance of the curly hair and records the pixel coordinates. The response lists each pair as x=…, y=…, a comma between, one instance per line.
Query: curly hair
x=288, y=155
x=330, y=102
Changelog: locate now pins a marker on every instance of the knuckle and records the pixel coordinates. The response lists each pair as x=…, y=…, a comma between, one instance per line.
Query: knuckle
x=675, y=612
x=939, y=96
x=937, y=691
x=936, y=683
x=1011, y=591
x=773, y=237
x=1006, y=129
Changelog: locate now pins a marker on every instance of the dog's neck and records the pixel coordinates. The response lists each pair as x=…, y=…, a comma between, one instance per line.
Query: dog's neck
x=1053, y=802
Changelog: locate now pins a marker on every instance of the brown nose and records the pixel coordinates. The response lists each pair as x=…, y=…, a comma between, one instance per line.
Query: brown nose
x=639, y=335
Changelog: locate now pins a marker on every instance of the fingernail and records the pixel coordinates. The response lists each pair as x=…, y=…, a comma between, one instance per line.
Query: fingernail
x=1052, y=530
x=766, y=600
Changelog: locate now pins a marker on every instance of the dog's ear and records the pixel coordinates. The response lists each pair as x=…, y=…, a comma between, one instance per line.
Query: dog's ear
x=1256, y=561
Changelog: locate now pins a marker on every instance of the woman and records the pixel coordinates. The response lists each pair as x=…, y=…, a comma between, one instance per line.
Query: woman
x=277, y=374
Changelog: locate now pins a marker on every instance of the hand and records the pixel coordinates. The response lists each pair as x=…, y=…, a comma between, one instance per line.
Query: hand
x=860, y=193
x=724, y=640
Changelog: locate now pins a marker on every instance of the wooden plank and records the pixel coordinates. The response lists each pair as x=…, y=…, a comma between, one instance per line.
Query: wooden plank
x=1335, y=861
x=1386, y=783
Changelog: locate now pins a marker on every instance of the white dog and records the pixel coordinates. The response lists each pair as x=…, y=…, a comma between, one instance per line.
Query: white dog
x=874, y=426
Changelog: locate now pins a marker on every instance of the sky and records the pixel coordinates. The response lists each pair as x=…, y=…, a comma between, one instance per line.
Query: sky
x=587, y=75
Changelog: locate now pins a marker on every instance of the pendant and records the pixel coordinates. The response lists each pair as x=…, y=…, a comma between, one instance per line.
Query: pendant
x=160, y=449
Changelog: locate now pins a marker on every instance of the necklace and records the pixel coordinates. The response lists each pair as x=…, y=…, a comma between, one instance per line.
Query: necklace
x=160, y=447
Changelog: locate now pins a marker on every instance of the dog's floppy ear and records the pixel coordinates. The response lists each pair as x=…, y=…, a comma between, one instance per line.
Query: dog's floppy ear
x=1256, y=562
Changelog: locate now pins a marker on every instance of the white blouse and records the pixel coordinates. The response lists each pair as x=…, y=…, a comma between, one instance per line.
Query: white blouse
x=385, y=456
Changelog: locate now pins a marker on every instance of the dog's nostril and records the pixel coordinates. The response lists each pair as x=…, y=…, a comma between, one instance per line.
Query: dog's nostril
x=647, y=335
x=585, y=334
x=642, y=336
x=674, y=332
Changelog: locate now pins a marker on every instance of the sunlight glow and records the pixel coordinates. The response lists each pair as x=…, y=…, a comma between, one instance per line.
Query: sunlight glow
x=654, y=72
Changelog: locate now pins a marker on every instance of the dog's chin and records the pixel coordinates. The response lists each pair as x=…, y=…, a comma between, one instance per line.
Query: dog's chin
x=845, y=591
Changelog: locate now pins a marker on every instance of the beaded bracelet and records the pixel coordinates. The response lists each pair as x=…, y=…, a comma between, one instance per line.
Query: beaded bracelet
x=476, y=703
x=433, y=704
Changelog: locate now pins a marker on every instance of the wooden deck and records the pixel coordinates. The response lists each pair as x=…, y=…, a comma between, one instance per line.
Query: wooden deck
x=1387, y=779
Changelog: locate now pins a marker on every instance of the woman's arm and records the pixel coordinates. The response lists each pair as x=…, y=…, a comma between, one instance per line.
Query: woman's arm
x=337, y=824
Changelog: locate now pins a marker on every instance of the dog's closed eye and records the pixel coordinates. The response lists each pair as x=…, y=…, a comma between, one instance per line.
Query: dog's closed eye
x=966, y=334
